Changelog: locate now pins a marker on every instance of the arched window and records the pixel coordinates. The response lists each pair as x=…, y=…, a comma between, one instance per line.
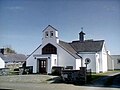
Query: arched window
x=49, y=49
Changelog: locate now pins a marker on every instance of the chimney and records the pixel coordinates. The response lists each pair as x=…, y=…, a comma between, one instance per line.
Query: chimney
x=81, y=36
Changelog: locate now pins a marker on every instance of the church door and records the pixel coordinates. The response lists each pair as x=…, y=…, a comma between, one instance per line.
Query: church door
x=42, y=66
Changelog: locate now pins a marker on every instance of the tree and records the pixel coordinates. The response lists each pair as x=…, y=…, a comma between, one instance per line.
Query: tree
x=9, y=50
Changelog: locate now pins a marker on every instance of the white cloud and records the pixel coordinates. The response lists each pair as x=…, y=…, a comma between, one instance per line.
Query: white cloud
x=110, y=8
x=15, y=8
x=14, y=36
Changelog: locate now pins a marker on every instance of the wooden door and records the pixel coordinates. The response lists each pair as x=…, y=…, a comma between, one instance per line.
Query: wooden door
x=42, y=66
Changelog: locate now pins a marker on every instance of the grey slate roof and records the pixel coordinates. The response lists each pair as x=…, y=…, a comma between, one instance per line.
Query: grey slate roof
x=13, y=57
x=115, y=56
x=3, y=57
x=16, y=57
x=86, y=46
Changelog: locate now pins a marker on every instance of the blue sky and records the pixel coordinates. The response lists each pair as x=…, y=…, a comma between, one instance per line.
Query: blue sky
x=22, y=22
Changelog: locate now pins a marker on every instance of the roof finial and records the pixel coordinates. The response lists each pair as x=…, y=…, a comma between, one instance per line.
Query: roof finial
x=82, y=28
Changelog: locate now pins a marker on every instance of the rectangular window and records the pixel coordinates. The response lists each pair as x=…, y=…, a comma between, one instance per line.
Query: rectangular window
x=46, y=34
x=55, y=61
x=118, y=61
x=51, y=33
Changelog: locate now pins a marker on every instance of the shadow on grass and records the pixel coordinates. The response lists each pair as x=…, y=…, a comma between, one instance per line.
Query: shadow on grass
x=107, y=81
x=110, y=81
x=91, y=83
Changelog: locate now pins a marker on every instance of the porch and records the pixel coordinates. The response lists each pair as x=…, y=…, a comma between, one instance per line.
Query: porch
x=45, y=63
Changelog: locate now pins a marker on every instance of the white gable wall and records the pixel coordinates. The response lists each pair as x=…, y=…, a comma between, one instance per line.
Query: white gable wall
x=78, y=64
x=2, y=63
x=66, y=59
x=31, y=61
x=104, y=59
x=49, y=38
x=63, y=58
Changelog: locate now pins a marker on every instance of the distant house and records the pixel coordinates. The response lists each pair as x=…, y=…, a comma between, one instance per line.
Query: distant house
x=110, y=62
x=54, y=52
x=116, y=59
x=2, y=62
x=12, y=60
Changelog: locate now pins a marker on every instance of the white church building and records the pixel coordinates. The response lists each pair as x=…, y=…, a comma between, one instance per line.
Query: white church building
x=54, y=52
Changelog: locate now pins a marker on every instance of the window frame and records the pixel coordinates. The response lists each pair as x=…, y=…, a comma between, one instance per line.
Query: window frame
x=46, y=34
x=51, y=34
x=118, y=61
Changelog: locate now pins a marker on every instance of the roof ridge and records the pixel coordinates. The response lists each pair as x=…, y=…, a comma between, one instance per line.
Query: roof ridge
x=49, y=26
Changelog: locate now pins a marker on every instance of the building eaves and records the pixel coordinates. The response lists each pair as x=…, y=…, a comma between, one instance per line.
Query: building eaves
x=67, y=47
x=33, y=52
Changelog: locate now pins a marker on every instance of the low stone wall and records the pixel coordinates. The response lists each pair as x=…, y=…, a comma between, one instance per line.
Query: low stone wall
x=76, y=76
x=4, y=71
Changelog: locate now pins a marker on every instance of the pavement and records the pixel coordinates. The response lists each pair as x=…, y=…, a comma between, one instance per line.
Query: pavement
x=45, y=82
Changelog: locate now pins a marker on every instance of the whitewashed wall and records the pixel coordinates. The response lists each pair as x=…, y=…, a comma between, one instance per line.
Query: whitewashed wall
x=97, y=62
x=116, y=64
x=92, y=57
x=32, y=62
x=65, y=59
x=104, y=59
x=53, y=60
x=78, y=64
x=110, y=62
x=2, y=63
x=53, y=39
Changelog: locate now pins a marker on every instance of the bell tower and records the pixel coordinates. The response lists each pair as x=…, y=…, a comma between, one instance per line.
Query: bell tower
x=81, y=35
x=50, y=34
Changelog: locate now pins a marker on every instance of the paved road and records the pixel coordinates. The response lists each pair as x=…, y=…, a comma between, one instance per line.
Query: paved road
x=47, y=86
